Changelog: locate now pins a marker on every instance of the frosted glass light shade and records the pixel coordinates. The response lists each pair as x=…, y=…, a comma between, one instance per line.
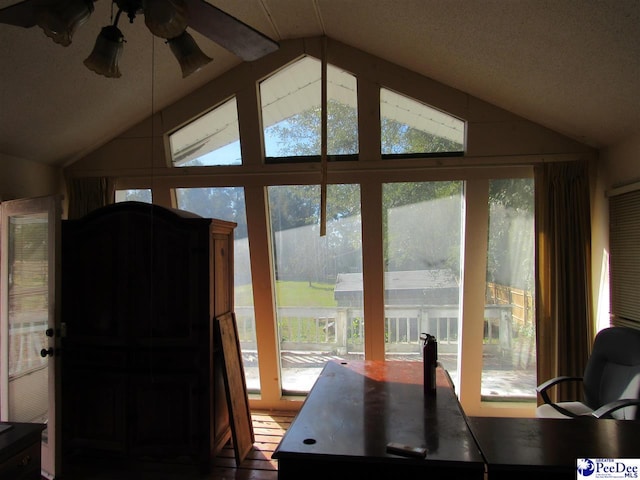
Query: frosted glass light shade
x=188, y=54
x=165, y=18
x=106, y=52
x=60, y=20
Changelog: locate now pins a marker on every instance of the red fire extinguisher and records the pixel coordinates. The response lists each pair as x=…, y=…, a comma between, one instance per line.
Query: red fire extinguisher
x=430, y=359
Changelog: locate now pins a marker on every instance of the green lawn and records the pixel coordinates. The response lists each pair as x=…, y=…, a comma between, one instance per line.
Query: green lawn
x=294, y=294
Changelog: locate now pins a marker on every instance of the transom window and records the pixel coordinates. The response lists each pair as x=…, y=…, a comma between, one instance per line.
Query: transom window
x=291, y=112
x=291, y=108
x=213, y=139
x=410, y=127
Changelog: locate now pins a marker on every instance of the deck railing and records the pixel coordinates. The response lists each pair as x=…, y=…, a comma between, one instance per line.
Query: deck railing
x=341, y=329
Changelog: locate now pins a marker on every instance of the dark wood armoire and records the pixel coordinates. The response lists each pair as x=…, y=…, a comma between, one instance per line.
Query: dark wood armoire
x=142, y=377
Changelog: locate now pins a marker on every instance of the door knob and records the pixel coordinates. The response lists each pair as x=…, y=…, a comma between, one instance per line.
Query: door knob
x=49, y=332
x=46, y=352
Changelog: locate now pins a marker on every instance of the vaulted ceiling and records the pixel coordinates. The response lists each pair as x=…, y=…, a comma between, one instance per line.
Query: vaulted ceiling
x=570, y=65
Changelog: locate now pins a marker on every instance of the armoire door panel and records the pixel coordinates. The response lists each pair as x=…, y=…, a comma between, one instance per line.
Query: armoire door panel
x=165, y=415
x=80, y=356
x=95, y=411
x=90, y=304
x=164, y=360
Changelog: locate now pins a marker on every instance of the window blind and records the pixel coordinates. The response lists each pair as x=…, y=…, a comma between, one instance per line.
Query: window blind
x=624, y=258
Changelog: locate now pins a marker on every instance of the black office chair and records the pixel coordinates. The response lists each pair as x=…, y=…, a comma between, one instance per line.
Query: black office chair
x=611, y=380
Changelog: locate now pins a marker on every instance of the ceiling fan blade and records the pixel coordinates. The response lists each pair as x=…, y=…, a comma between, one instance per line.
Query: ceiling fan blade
x=229, y=32
x=21, y=14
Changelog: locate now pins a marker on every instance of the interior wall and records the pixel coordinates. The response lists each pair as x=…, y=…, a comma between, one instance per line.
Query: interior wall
x=617, y=166
x=620, y=164
x=20, y=178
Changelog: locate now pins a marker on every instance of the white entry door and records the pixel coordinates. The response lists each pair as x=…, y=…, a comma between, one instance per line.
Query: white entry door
x=29, y=314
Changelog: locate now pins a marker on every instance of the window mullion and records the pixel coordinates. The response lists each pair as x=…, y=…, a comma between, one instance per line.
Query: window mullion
x=372, y=270
x=476, y=221
x=263, y=296
x=249, y=126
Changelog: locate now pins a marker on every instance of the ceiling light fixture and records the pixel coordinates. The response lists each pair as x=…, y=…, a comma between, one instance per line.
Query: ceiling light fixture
x=167, y=19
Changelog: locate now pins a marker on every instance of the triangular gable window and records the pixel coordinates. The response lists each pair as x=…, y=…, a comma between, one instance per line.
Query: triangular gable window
x=291, y=112
x=291, y=117
x=411, y=128
x=211, y=140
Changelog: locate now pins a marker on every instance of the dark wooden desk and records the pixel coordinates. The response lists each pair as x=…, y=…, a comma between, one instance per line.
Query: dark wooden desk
x=548, y=448
x=20, y=451
x=356, y=408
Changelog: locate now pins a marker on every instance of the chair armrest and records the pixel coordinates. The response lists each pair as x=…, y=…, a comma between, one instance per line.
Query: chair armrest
x=543, y=387
x=607, y=409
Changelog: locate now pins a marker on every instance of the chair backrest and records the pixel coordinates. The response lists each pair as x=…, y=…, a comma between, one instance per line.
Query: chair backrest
x=613, y=370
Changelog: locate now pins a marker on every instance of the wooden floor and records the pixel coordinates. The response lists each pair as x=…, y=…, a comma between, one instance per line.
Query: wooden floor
x=268, y=427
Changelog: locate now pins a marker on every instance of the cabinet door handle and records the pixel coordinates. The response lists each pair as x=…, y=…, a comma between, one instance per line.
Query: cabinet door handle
x=46, y=352
x=24, y=461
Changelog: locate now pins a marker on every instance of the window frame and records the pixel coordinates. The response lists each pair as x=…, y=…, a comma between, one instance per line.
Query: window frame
x=476, y=210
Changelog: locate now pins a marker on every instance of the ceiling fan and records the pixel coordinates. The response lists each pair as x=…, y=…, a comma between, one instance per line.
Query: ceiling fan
x=167, y=19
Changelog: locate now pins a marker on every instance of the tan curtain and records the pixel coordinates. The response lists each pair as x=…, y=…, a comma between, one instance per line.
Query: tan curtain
x=564, y=326
x=87, y=194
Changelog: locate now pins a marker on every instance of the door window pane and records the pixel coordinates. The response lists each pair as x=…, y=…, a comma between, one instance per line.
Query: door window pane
x=318, y=302
x=509, y=347
x=28, y=316
x=422, y=268
x=227, y=203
